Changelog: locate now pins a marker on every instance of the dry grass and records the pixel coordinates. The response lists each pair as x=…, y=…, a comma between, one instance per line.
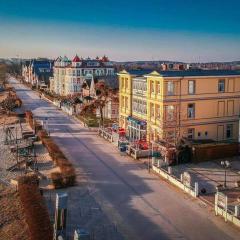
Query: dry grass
x=12, y=219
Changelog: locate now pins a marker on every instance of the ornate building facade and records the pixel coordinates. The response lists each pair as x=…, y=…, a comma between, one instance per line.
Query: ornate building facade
x=168, y=105
x=69, y=75
x=37, y=71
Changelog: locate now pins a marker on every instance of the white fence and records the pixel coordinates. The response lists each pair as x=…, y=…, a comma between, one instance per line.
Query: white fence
x=222, y=208
x=193, y=191
x=105, y=134
x=138, y=153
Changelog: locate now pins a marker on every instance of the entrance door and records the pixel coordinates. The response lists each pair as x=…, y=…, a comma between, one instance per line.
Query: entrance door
x=220, y=132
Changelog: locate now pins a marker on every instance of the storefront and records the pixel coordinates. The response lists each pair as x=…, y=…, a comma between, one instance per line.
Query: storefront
x=136, y=130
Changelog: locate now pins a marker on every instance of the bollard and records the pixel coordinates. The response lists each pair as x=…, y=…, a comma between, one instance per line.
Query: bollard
x=153, y=161
x=170, y=170
x=237, y=211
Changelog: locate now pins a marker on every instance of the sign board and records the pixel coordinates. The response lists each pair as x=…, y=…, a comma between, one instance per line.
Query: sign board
x=186, y=179
x=221, y=200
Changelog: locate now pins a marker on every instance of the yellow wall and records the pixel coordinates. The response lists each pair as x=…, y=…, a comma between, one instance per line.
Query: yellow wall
x=213, y=110
x=211, y=107
x=125, y=98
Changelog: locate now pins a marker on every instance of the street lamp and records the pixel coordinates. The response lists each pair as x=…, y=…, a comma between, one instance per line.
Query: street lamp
x=225, y=165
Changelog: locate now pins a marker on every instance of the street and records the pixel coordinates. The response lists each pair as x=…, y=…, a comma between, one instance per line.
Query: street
x=141, y=204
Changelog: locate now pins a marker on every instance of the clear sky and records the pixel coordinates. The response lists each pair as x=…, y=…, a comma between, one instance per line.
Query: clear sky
x=184, y=30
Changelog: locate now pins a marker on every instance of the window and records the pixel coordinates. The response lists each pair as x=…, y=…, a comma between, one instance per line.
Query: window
x=199, y=134
x=170, y=88
x=206, y=133
x=190, y=133
x=221, y=86
x=170, y=113
x=191, y=87
x=126, y=83
x=126, y=102
x=191, y=110
x=158, y=88
x=229, y=131
x=122, y=101
x=152, y=87
x=152, y=110
x=122, y=82
x=157, y=111
x=170, y=135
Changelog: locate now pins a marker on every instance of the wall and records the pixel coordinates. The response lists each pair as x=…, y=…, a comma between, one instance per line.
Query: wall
x=125, y=98
x=212, y=108
x=208, y=152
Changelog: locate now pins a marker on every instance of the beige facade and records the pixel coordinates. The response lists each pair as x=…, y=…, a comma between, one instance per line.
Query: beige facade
x=192, y=104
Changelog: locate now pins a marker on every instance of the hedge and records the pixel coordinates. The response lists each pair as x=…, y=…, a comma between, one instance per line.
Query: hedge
x=67, y=176
x=37, y=216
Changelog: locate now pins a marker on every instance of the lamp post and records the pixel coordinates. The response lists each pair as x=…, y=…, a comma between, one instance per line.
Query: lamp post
x=225, y=165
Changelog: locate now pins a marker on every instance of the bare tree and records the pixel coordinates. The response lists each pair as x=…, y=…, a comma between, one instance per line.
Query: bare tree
x=3, y=75
x=103, y=95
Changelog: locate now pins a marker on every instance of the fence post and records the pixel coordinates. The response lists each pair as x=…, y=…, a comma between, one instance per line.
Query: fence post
x=196, y=189
x=153, y=161
x=216, y=204
x=226, y=208
x=237, y=211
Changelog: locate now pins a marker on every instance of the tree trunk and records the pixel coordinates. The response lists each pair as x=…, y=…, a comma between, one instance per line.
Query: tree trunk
x=101, y=115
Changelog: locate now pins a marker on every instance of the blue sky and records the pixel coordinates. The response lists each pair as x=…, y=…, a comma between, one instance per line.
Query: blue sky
x=189, y=30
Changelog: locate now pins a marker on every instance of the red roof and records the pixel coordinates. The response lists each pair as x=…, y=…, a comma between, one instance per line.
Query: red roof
x=76, y=59
x=105, y=59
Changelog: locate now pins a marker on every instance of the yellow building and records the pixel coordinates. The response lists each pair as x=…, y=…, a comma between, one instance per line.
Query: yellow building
x=196, y=104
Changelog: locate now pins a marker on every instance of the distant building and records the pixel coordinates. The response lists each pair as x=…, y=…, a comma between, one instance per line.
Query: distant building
x=37, y=71
x=173, y=66
x=70, y=75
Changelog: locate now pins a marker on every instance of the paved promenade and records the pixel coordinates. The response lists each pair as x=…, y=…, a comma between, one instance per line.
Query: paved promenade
x=142, y=205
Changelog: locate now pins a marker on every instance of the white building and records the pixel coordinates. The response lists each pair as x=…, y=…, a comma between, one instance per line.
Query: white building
x=69, y=75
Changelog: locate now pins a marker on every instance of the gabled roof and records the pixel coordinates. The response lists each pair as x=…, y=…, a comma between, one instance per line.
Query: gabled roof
x=136, y=72
x=65, y=59
x=59, y=59
x=154, y=73
x=105, y=59
x=76, y=59
x=27, y=63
